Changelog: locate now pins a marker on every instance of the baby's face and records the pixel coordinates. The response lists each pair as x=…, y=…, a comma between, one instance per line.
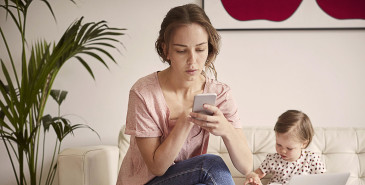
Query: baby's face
x=288, y=147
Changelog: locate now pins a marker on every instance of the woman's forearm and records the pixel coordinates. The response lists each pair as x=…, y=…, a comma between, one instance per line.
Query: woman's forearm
x=168, y=150
x=239, y=152
x=159, y=156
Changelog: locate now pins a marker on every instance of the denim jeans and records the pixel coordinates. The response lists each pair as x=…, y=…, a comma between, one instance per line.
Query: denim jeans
x=205, y=169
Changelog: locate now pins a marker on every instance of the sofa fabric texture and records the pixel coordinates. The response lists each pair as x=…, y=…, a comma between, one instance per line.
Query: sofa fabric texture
x=341, y=149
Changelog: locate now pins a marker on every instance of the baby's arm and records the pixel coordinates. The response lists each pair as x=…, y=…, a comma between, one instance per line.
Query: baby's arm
x=254, y=177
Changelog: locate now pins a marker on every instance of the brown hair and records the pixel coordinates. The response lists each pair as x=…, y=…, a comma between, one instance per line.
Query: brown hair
x=188, y=14
x=297, y=123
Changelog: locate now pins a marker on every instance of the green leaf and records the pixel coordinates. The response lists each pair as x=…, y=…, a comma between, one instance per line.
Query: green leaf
x=105, y=39
x=2, y=115
x=82, y=61
x=3, y=123
x=9, y=12
x=11, y=99
x=58, y=129
x=102, y=44
x=58, y=96
x=6, y=113
x=97, y=57
x=62, y=97
x=55, y=94
x=5, y=87
x=10, y=136
x=102, y=51
x=46, y=121
x=10, y=57
x=50, y=9
x=4, y=133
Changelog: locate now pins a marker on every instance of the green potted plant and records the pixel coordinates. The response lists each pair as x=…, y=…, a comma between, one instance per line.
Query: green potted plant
x=24, y=93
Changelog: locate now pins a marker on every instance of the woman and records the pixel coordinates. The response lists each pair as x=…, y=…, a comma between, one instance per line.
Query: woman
x=169, y=142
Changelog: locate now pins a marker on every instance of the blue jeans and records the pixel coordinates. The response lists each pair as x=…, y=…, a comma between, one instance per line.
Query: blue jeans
x=205, y=169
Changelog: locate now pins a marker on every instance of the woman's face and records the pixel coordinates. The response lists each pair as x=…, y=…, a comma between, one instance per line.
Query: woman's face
x=188, y=51
x=288, y=146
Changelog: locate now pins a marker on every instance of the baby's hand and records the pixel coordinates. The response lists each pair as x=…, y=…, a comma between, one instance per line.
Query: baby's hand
x=253, y=179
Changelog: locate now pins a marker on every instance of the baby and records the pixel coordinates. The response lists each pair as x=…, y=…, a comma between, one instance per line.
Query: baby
x=294, y=133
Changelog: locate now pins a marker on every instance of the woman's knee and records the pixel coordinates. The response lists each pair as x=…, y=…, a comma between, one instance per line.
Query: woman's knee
x=214, y=161
x=213, y=158
x=216, y=170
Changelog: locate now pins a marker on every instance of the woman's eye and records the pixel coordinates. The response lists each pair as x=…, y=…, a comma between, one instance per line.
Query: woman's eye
x=180, y=51
x=200, y=50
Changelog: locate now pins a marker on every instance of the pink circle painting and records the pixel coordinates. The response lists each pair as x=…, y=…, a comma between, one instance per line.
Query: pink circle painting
x=245, y=10
x=343, y=9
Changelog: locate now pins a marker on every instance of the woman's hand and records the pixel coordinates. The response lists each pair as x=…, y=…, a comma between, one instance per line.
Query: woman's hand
x=253, y=179
x=216, y=124
x=185, y=118
x=233, y=138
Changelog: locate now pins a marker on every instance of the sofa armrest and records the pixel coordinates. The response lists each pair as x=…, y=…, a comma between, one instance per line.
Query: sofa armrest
x=90, y=165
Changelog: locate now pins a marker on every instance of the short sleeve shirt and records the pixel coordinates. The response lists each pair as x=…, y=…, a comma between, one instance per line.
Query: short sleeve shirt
x=148, y=116
x=282, y=171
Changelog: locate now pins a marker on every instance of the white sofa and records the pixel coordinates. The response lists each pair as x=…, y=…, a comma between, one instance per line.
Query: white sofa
x=342, y=149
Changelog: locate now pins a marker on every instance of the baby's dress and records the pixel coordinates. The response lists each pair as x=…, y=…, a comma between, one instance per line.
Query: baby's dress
x=282, y=171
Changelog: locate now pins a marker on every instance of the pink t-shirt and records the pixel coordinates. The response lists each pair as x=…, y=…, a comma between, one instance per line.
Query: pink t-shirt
x=148, y=116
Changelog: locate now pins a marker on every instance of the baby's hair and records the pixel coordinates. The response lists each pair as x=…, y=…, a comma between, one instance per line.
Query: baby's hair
x=297, y=123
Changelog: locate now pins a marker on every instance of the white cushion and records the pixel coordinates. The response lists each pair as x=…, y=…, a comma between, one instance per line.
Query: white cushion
x=91, y=165
x=341, y=149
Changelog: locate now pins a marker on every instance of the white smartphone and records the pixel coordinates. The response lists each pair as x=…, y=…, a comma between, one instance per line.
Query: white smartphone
x=201, y=99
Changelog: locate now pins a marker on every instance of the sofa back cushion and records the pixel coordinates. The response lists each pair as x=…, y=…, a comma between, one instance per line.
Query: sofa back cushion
x=341, y=149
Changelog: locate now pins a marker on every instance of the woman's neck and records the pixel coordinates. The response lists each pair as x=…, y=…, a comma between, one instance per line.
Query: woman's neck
x=172, y=83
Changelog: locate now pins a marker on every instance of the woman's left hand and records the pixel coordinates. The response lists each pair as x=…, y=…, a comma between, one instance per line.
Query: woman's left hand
x=216, y=124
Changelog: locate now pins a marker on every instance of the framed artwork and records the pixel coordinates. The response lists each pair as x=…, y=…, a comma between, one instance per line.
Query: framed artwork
x=286, y=14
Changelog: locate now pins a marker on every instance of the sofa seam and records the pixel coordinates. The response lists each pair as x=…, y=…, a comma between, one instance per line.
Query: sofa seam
x=357, y=152
x=85, y=152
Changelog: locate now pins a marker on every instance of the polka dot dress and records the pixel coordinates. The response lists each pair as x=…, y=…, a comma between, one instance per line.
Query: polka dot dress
x=282, y=171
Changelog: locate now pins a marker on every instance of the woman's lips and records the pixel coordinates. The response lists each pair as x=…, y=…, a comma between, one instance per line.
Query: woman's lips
x=191, y=71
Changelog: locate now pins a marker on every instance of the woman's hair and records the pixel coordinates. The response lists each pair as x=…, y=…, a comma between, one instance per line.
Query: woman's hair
x=183, y=15
x=296, y=123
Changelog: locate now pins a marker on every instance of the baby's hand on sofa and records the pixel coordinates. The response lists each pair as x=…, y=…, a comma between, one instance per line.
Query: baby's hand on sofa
x=253, y=179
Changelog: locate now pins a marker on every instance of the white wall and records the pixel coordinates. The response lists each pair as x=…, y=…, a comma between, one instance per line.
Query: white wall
x=318, y=72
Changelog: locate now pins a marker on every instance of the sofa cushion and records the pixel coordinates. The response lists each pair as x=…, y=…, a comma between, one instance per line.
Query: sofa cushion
x=341, y=149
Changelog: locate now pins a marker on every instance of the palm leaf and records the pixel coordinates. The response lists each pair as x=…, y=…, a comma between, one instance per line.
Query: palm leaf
x=62, y=97
x=58, y=96
x=102, y=51
x=11, y=100
x=46, y=121
x=50, y=9
x=22, y=108
x=10, y=57
x=5, y=107
x=82, y=61
x=96, y=57
x=55, y=94
x=2, y=122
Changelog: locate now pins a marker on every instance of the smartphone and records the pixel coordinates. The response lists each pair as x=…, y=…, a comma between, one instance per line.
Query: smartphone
x=201, y=99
